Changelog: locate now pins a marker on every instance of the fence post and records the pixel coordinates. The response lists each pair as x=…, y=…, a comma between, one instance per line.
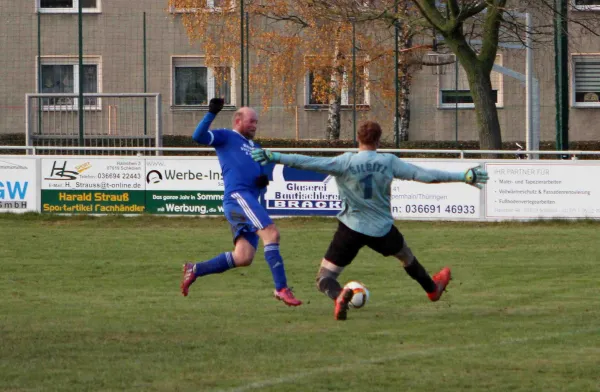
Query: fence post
x=27, y=123
x=158, y=124
x=81, y=103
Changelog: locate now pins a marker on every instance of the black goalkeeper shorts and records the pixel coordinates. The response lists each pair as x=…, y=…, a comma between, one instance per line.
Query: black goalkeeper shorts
x=346, y=243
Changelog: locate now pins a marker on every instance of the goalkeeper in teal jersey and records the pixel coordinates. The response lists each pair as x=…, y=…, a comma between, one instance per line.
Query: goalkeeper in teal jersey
x=364, y=181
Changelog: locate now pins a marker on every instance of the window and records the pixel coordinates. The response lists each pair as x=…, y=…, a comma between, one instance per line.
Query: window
x=318, y=82
x=586, y=5
x=455, y=92
x=586, y=80
x=204, y=5
x=194, y=84
x=68, y=6
x=60, y=75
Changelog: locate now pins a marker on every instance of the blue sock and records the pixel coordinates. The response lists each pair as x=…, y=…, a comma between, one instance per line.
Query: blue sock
x=221, y=263
x=275, y=262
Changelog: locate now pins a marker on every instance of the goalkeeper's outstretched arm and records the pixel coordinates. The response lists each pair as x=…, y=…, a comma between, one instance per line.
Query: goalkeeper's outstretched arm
x=474, y=176
x=334, y=166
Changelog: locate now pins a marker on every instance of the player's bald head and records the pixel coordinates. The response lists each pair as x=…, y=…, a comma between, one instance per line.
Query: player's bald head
x=241, y=113
x=244, y=121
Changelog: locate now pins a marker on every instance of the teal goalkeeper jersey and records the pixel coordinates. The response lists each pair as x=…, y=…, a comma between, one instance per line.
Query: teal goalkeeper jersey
x=364, y=180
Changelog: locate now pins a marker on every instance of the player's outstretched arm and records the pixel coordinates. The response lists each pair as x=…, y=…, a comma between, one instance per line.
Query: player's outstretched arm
x=475, y=176
x=201, y=134
x=334, y=166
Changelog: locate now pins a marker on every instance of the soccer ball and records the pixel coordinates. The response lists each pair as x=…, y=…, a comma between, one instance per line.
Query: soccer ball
x=361, y=294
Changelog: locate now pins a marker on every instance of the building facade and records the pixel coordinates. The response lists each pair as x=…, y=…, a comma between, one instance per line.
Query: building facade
x=141, y=46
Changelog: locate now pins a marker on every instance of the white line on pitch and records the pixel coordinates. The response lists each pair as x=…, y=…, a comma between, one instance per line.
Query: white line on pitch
x=428, y=351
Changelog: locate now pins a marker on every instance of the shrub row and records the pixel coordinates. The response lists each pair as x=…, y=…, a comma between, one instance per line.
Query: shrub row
x=186, y=141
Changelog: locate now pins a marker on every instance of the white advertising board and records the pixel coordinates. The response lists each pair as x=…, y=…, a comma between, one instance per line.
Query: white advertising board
x=455, y=201
x=523, y=190
x=566, y=189
x=19, y=190
x=92, y=185
x=184, y=186
x=199, y=174
x=92, y=173
x=301, y=192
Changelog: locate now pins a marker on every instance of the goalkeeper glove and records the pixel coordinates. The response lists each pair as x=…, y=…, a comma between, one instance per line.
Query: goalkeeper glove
x=265, y=156
x=476, y=177
x=215, y=105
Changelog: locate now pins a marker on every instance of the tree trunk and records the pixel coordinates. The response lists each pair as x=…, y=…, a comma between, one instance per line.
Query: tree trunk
x=404, y=84
x=333, y=118
x=404, y=104
x=480, y=83
x=335, y=97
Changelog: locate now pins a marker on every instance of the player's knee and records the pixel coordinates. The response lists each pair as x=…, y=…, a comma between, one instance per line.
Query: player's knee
x=243, y=256
x=270, y=235
x=323, y=275
x=243, y=259
x=405, y=256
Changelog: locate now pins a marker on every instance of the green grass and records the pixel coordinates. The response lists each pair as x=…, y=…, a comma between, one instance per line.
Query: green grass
x=93, y=304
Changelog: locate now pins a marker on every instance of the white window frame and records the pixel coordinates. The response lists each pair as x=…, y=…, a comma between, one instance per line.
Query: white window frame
x=72, y=61
x=450, y=68
x=210, y=7
x=69, y=10
x=200, y=61
x=574, y=103
x=346, y=87
x=580, y=7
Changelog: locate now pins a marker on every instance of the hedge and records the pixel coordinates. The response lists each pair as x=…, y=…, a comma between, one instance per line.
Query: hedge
x=186, y=141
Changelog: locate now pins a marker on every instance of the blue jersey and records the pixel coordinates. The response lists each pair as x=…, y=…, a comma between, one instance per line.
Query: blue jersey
x=234, y=151
x=364, y=181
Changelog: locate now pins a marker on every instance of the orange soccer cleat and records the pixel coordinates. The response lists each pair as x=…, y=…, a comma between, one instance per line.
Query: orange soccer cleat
x=342, y=303
x=441, y=279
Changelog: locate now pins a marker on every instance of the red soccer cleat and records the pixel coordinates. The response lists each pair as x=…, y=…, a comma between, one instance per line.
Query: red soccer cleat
x=341, y=304
x=286, y=295
x=189, y=277
x=441, y=279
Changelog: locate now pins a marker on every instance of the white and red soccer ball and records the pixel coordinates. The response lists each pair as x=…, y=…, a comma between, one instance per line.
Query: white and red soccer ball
x=361, y=294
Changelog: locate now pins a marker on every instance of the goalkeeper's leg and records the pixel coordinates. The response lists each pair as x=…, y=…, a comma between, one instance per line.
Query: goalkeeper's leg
x=434, y=287
x=327, y=282
x=342, y=250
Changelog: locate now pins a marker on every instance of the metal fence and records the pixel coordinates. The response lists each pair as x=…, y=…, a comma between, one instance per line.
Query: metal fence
x=145, y=151
x=118, y=121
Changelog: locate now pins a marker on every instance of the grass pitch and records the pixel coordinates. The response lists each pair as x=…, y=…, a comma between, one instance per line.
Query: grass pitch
x=93, y=304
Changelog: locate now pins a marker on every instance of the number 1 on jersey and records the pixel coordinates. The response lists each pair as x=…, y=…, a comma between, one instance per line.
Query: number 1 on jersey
x=367, y=183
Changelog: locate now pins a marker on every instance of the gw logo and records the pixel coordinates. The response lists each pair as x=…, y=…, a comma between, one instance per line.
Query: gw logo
x=14, y=190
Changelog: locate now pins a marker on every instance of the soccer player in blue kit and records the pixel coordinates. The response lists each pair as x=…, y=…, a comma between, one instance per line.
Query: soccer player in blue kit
x=244, y=182
x=364, y=180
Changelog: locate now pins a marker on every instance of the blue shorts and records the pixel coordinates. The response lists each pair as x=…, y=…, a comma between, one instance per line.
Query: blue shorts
x=246, y=216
